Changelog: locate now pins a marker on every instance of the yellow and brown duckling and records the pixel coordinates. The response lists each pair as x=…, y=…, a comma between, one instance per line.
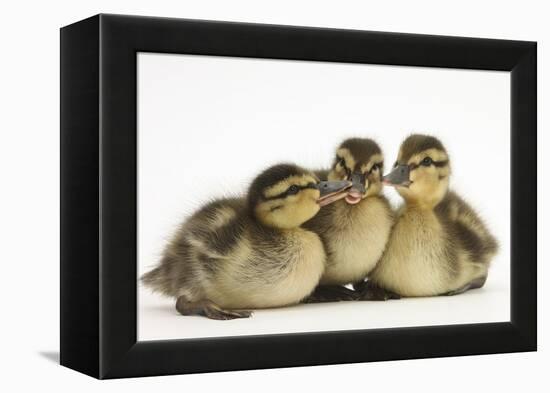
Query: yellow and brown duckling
x=246, y=253
x=354, y=229
x=439, y=245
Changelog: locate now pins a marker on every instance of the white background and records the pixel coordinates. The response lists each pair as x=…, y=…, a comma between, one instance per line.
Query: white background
x=207, y=125
x=30, y=194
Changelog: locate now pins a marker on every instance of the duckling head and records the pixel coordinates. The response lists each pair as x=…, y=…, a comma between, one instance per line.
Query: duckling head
x=360, y=161
x=285, y=196
x=421, y=172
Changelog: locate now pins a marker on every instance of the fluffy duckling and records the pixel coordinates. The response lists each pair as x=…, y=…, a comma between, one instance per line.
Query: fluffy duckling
x=439, y=245
x=246, y=253
x=356, y=228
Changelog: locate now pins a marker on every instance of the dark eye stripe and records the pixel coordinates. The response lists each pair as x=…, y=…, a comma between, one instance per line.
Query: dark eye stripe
x=427, y=161
x=342, y=162
x=288, y=192
x=377, y=164
x=438, y=164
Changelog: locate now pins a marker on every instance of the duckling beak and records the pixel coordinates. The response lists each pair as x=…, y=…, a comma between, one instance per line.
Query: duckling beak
x=399, y=176
x=331, y=191
x=357, y=182
x=357, y=189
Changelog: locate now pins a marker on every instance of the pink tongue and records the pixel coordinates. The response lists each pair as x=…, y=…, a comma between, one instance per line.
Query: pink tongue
x=332, y=198
x=353, y=197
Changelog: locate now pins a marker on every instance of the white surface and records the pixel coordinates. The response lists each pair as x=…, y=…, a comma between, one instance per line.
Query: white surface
x=160, y=321
x=207, y=125
x=29, y=333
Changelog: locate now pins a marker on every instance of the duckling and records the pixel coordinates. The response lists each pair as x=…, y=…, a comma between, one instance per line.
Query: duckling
x=439, y=245
x=245, y=253
x=354, y=229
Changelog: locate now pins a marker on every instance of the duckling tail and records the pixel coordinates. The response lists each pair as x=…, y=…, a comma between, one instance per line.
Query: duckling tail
x=492, y=246
x=153, y=278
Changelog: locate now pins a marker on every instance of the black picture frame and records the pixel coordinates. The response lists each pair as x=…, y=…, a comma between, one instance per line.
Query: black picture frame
x=98, y=196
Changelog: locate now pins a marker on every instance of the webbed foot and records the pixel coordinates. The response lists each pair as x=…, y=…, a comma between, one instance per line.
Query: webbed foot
x=474, y=284
x=368, y=290
x=360, y=286
x=331, y=293
x=208, y=309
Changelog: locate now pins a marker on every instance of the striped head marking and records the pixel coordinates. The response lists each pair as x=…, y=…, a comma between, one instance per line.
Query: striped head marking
x=360, y=161
x=422, y=170
x=285, y=196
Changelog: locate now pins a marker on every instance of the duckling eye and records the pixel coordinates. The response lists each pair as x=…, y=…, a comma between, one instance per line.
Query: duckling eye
x=293, y=190
x=427, y=161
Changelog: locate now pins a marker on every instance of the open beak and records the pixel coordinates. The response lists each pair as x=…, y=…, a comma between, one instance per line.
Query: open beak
x=399, y=176
x=331, y=191
x=357, y=190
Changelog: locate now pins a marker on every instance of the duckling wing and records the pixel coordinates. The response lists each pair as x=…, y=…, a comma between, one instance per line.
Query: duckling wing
x=468, y=228
x=198, y=248
x=215, y=229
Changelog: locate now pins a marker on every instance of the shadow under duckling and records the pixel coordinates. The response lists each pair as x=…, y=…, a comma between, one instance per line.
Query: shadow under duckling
x=439, y=245
x=247, y=253
x=356, y=228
